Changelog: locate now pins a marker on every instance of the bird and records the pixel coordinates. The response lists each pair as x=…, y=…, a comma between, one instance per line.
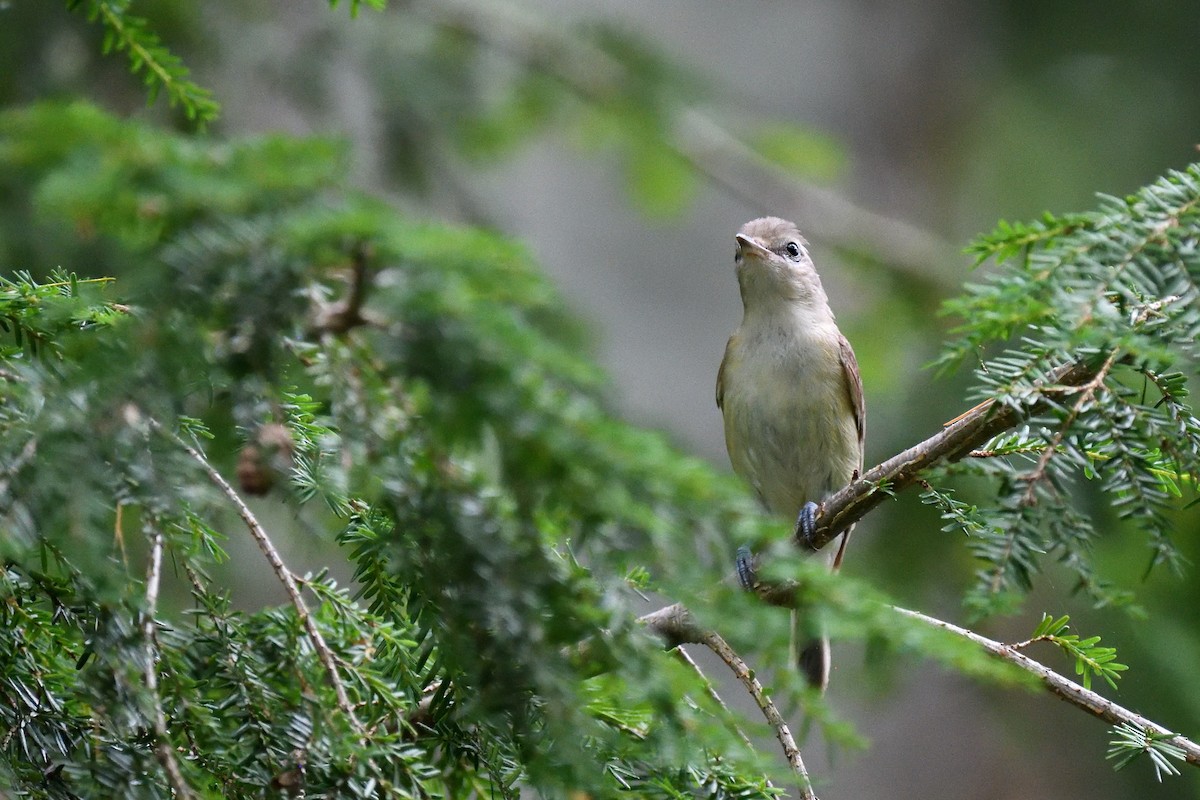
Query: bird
x=790, y=393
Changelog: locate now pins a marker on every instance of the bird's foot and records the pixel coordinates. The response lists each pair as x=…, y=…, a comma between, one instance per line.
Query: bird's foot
x=744, y=562
x=806, y=525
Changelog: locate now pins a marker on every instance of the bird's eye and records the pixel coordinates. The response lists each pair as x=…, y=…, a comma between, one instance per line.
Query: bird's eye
x=737, y=256
x=793, y=249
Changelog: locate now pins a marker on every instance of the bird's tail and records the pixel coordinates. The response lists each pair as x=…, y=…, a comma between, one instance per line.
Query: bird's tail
x=812, y=653
x=814, y=662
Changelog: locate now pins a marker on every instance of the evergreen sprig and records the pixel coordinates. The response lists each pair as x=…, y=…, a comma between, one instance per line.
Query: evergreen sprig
x=1132, y=741
x=1091, y=659
x=37, y=314
x=161, y=70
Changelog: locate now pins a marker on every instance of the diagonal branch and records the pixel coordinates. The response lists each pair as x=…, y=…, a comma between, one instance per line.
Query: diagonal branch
x=741, y=671
x=324, y=654
x=852, y=502
x=716, y=155
x=1065, y=689
x=958, y=439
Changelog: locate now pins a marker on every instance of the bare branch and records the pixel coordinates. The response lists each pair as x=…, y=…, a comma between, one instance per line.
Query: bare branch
x=162, y=748
x=717, y=155
x=1064, y=689
x=710, y=690
x=675, y=625
x=328, y=660
x=729, y=164
x=347, y=314
x=745, y=675
x=957, y=440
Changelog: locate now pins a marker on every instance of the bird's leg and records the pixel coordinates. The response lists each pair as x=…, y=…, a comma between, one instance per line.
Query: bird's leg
x=806, y=528
x=744, y=562
x=806, y=524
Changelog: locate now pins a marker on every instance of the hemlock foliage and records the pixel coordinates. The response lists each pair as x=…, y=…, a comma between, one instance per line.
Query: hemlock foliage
x=1116, y=287
x=447, y=444
x=455, y=447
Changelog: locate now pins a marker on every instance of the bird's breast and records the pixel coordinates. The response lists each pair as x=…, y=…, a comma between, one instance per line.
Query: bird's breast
x=789, y=426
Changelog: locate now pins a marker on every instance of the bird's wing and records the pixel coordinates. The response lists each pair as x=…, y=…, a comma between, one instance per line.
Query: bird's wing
x=854, y=391
x=721, y=373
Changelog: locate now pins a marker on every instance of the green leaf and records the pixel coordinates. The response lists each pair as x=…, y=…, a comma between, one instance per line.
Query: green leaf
x=800, y=151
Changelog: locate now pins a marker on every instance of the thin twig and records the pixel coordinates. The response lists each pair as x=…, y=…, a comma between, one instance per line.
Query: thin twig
x=1027, y=643
x=1086, y=392
x=745, y=675
x=710, y=690
x=284, y=575
x=162, y=748
x=1065, y=689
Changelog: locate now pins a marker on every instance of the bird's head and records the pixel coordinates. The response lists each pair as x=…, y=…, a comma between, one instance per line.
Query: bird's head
x=772, y=263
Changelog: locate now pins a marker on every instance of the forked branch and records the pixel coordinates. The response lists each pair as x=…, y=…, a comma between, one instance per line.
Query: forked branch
x=746, y=677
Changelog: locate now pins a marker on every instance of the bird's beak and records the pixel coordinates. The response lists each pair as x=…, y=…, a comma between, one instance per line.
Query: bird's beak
x=750, y=247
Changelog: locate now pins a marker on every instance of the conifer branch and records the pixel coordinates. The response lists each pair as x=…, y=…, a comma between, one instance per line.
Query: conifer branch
x=324, y=654
x=158, y=66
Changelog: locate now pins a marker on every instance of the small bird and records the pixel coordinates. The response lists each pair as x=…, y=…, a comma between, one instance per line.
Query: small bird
x=790, y=392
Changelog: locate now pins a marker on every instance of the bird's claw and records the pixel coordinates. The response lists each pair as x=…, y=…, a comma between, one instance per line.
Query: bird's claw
x=806, y=525
x=744, y=562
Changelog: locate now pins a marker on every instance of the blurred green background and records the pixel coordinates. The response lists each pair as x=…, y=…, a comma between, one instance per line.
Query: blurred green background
x=891, y=132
